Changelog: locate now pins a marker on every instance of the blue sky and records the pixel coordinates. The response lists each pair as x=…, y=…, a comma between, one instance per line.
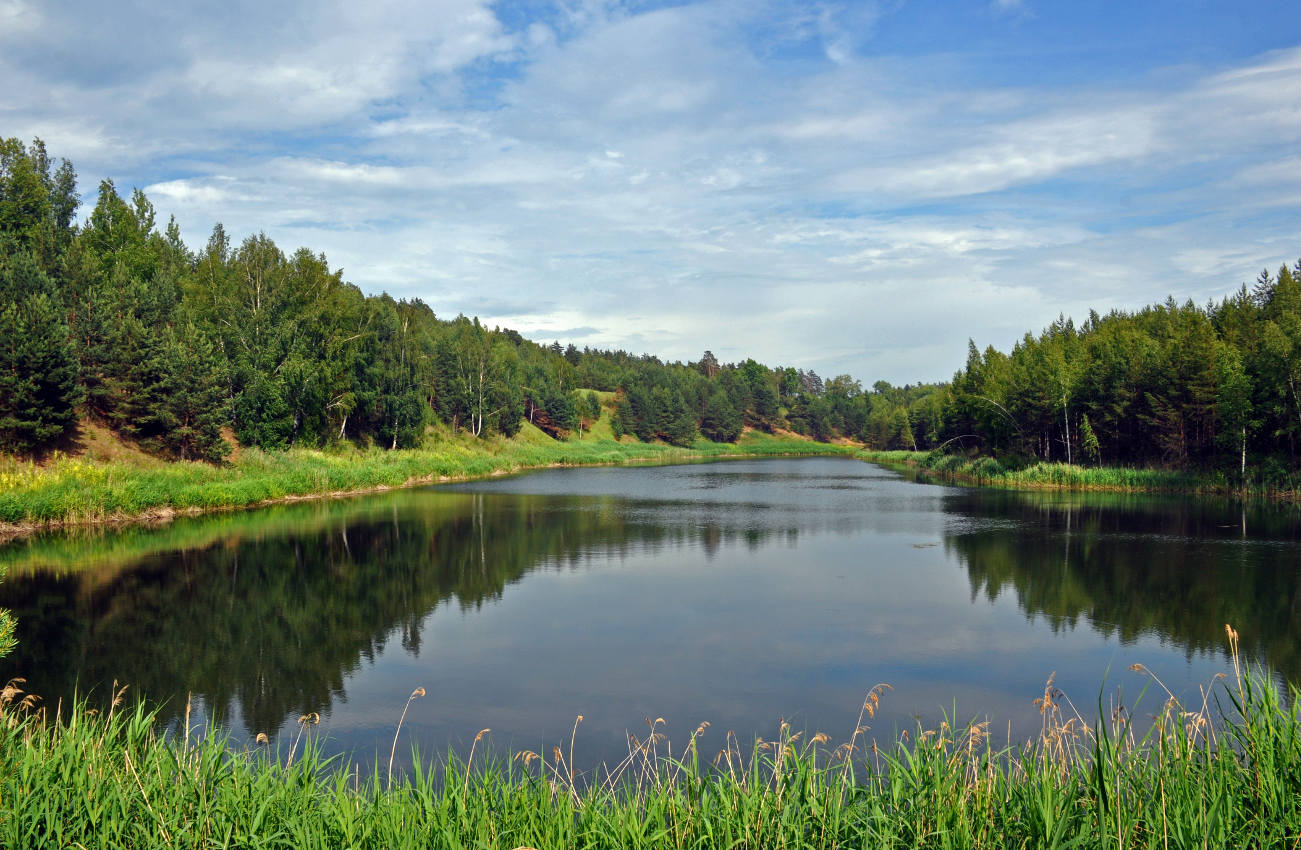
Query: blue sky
x=851, y=187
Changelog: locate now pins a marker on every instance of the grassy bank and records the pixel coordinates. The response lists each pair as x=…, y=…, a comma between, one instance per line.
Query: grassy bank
x=988, y=471
x=75, y=490
x=102, y=551
x=1226, y=772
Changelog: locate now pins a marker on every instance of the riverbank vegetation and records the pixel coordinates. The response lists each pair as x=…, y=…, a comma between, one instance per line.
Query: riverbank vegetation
x=1223, y=772
x=989, y=471
x=7, y=624
x=1170, y=397
x=73, y=490
x=1182, y=386
x=192, y=355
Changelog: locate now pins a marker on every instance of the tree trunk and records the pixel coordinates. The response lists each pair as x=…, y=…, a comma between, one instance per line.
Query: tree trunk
x=1296, y=401
x=1066, y=422
x=1244, y=460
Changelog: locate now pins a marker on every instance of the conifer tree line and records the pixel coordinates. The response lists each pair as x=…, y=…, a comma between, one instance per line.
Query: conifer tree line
x=116, y=319
x=1173, y=384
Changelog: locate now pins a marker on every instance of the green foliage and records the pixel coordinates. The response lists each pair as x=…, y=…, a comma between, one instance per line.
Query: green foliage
x=1200, y=777
x=394, y=370
x=1172, y=384
x=193, y=407
x=908, y=417
x=480, y=387
x=1009, y=472
x=71, y=490
x=761, y=384
x=38, y=365
x=1089, y=441
x=262, y=417
x=680, y=430
x=170, y=346
x=655, y=406
x=720, y=421
x=7, y=625
x=37, y=203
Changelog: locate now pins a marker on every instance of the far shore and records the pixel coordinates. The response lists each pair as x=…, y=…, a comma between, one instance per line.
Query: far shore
x=989, y=472
x=72, y=492
x=129, y=489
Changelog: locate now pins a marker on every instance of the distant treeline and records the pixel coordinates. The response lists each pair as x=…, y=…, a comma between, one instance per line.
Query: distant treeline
x=1172, y=385
x=117, y=319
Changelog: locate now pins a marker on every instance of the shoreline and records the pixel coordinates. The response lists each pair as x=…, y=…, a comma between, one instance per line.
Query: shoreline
x=74, y=493
x=487, y=461
x=1041, y=476
x=210, y=490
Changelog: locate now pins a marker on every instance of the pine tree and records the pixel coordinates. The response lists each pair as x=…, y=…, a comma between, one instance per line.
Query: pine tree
x=679, y=423
x=1089, y=441
x=262, y=417
x=720, y=421
x=194, y=402
x=901, y=432
x=39, y=391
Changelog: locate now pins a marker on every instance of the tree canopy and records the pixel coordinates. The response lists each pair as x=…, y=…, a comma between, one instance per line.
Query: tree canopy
x=117, y=319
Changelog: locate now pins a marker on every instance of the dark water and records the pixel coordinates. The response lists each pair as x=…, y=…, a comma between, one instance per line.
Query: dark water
x=738, y=593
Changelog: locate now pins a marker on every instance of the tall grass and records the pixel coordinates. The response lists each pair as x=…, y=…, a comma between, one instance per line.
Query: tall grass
x=71, y=490
x=1223, y=772
x=7, y=624
x=991, y=472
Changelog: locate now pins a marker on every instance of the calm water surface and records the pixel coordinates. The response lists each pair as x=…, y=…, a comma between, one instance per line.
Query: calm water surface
x=738, y=593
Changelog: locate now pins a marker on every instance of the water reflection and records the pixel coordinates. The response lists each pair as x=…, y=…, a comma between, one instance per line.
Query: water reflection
x=274, y=624
x=735, y=593
x=1129, y=567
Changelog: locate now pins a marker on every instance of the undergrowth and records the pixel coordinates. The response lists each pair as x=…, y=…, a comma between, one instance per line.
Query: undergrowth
x=990, y=471
x=1223, y=772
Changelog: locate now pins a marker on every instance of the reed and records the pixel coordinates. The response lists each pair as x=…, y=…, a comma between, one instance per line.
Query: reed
x=1225, y=771
x=7, y=624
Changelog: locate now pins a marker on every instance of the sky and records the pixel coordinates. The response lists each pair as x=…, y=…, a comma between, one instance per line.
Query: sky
x=848, y=187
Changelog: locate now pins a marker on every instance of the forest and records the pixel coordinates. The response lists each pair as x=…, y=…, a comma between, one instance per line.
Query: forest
x=116, y=319
x=1173, y=385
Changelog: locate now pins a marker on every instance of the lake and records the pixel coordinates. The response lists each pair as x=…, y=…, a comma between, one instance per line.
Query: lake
x=739, y=593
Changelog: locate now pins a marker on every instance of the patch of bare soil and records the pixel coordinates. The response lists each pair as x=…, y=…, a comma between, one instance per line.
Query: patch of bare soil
x=236, y=450
x=96, y=442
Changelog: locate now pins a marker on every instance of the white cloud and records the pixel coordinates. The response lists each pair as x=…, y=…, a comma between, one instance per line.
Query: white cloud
x=752, y=178
x=188, y=193
x=1285, y=173
x=1018, y=152
x=19, y=16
